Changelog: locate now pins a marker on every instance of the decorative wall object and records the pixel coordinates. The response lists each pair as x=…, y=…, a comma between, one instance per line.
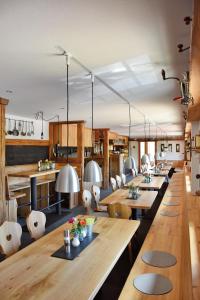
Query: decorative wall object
x=170, y=147
x=177, y=147
x=162, y=147
x=197, y=141
x=17, y=127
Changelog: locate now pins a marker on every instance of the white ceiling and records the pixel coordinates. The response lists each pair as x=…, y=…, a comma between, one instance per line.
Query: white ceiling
x=125, y=42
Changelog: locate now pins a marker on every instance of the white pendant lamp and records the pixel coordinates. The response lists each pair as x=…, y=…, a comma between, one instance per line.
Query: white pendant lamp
x=129, y=162
x=67, y=180
x=92, y=173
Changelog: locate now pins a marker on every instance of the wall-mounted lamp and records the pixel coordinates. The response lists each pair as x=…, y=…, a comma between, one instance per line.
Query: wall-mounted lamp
x=181, y=49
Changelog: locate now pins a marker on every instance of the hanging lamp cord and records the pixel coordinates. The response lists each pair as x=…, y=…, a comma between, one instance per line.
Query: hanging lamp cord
x=92, y=134
x=67, y=62
x=129, y=131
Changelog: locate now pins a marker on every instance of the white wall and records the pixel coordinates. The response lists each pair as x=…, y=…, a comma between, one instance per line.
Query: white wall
x=134, y=150
x=195, y=159
x=37, y=128
x=172, y=155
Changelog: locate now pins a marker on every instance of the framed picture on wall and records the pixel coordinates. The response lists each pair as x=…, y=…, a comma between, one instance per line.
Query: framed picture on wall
x=170, y=147
x=162, y=146
x=197, y=141
x=177, y=147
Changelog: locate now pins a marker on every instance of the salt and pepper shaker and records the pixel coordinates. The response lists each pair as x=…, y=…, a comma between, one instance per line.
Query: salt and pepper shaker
x=67, y=240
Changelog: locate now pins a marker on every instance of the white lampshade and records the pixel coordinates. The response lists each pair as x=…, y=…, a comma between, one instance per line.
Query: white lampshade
x=92, y=172
x=145, y=159
x=67, y=181
x=130, y=163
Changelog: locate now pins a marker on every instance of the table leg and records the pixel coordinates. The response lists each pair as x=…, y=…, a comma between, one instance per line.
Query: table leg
x=58, y=198
x=134, y=214
x=33, y=193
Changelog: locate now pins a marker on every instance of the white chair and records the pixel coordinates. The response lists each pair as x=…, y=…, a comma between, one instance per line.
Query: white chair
x=36, y=222
x=144, y=168
x=10, y=237
x=133, y=172
x=119, y=181
x=113, y=183
x=96, y=194
x=123, y=177
x=87, y=199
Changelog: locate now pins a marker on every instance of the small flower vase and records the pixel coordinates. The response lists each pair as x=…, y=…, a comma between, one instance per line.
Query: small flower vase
x=130, y=194
x=75, y=241
x=135, y=195
x=89, y=230
x=81, y=238
x=84, y=232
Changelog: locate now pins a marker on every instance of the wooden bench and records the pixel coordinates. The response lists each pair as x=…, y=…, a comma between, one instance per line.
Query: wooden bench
x=193, y=202
x=169, y=234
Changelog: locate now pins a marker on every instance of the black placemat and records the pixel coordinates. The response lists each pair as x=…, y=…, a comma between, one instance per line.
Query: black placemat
x=74, y=251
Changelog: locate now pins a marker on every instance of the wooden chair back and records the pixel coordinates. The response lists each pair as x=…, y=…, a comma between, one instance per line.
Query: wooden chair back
x=119, y=210
x=8, y=196
x=96, y=194
x=113, y=183
x=35, y=222
x=10, y=237
x=87, y=198
x=123, y=177
x=119, y=181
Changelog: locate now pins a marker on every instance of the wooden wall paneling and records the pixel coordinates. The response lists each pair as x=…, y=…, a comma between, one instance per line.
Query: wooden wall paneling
x=72, y=135
x=106, y=159
x=20, y=142
x=194, y=109
x=3, y=103
x=87, y=137
x=80, y=153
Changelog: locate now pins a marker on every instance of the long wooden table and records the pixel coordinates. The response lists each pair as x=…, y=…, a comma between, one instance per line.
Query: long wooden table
x=169, y=234
x=33, y=274
x=33, y=175
x=155, y=184
x=145, y=200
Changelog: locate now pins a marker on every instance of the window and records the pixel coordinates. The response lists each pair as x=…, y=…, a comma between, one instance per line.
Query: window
x=142, y=149
x=151, y=150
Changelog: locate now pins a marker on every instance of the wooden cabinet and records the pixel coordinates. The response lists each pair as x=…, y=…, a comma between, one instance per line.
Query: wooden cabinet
x=60, y=134
x=87, y=137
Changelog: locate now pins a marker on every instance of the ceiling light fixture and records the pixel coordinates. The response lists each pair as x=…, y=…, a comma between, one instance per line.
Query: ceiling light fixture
x=92, y=171
x=67, y=180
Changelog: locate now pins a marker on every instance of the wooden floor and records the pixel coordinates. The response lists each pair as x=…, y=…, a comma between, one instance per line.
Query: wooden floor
x=193, y=203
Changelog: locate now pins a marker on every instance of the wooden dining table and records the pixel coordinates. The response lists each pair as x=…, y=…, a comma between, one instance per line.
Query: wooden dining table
x=32, y=273
x=155, y=184
x=144, y=201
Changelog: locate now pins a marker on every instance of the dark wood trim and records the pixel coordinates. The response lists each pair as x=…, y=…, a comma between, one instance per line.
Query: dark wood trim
x=69, y=122
x=20, y=142
x=4, y=101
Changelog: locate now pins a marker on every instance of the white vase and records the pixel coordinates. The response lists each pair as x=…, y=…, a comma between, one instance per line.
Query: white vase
x=84, y=232
x=75, y=242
